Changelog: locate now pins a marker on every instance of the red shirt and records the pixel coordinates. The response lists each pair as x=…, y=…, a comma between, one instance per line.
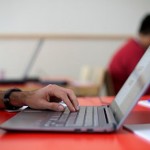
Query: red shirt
x=123, y=63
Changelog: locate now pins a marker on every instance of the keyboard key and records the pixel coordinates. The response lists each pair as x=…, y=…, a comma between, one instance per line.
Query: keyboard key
x=88, y=117
x=96, y=123
x=81, y=115
x=63, y=118
x=71, y=119
x=102, y=117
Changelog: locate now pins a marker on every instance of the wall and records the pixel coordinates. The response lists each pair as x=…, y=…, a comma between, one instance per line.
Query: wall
x=69, y=16
x=62, y=57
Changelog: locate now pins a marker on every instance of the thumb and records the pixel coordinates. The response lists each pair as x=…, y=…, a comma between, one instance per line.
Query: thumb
x=53, y=106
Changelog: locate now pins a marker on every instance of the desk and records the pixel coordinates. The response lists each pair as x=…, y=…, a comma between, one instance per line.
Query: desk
x=25, y=87
x=79, y=89
x=120, y=140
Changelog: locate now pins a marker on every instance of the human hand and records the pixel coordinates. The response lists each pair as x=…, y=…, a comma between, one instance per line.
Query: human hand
x=49, y=97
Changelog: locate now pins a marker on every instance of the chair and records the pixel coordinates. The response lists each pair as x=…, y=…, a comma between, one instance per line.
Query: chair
x=109, y=84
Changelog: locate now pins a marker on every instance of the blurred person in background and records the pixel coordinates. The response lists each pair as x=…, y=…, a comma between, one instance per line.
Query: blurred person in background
x=125, y=59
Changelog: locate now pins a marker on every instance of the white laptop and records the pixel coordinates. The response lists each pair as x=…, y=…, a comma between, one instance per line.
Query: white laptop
x=101, y=119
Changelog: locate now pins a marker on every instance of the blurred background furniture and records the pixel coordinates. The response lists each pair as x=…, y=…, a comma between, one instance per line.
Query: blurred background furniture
x=90, y=81
x=109, y=84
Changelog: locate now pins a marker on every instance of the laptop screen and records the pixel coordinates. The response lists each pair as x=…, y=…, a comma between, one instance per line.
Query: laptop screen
x=133, y=89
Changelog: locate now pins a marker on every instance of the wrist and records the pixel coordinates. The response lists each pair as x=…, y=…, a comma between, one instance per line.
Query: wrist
x=11, y=101
x=17, y=99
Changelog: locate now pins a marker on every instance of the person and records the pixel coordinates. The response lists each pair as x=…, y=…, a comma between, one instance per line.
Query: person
x=47, y=97
x=125, y=59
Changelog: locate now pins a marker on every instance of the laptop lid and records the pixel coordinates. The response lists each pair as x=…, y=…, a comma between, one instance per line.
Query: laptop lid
x=25, y=76
x=132, y=90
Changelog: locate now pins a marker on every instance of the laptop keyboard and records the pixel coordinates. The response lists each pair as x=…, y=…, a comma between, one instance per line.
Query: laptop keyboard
x=87, y=116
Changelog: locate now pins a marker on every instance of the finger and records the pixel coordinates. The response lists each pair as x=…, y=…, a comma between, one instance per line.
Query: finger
x=54, y=99
x=61, y=93
x=67, y=101
x=52, y=106
x=70, y=99
x=73, y=99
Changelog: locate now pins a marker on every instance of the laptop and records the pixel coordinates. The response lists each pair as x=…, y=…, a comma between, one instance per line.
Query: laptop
x=100, y=119
x=26, y=79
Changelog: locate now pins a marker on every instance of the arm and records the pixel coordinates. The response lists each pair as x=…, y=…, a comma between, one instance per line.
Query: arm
x=47, y=97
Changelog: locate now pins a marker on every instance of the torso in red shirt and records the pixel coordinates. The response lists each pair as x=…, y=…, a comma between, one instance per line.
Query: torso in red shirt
x=123, y=63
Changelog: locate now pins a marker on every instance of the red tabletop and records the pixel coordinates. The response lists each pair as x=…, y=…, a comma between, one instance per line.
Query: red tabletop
x=120, y=140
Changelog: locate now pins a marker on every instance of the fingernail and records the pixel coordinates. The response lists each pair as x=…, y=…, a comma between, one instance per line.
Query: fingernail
x=60, y=108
